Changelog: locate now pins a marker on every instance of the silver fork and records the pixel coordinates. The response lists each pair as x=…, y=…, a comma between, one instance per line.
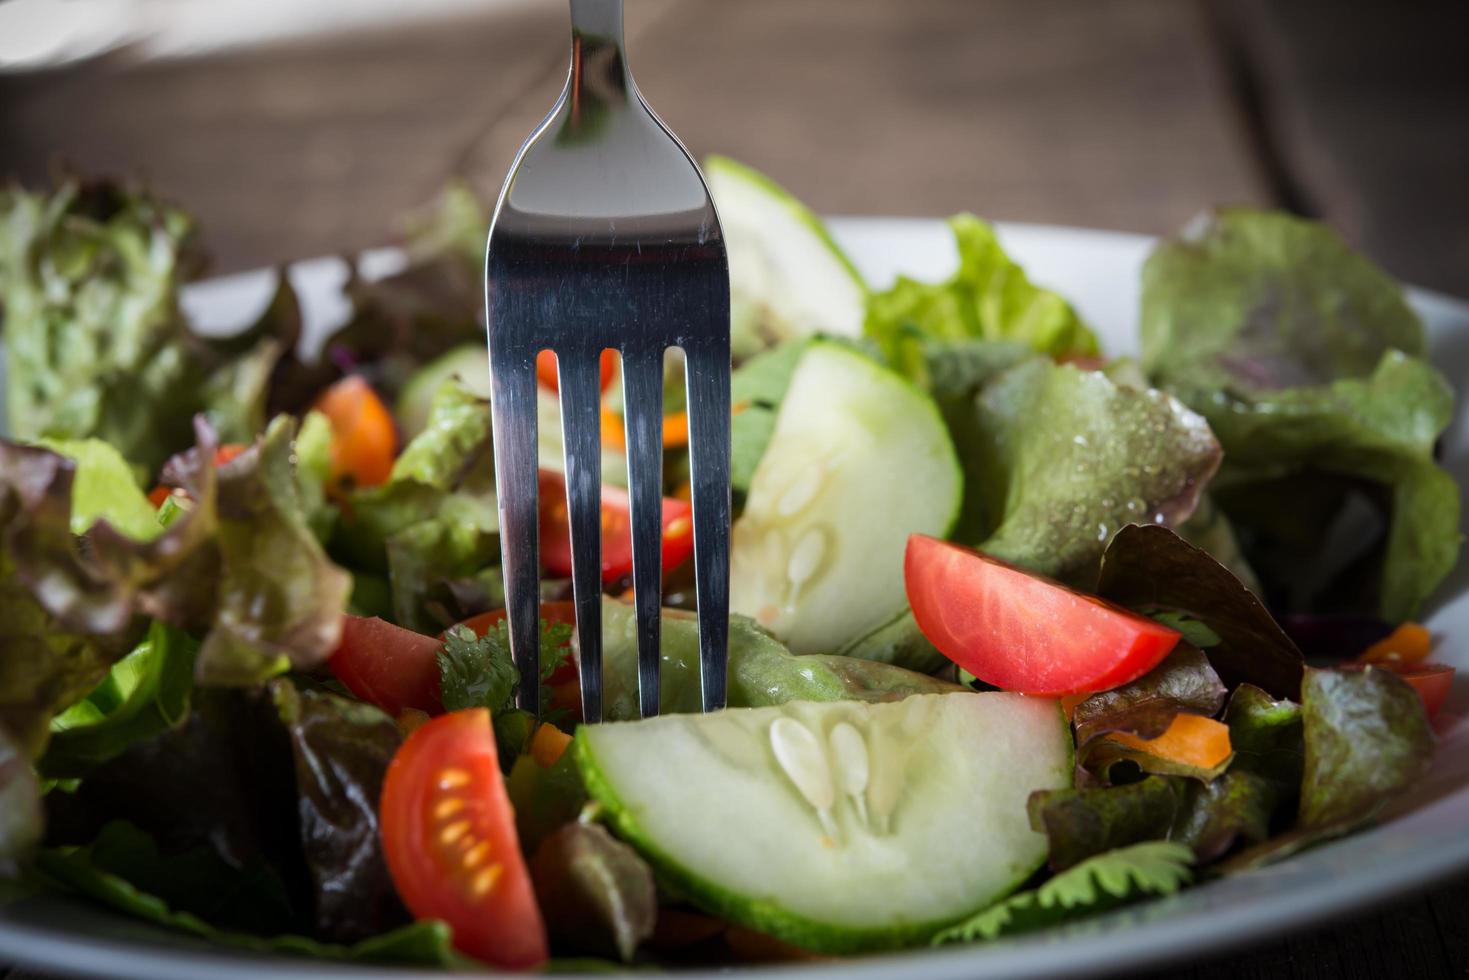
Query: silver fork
x=605, y=237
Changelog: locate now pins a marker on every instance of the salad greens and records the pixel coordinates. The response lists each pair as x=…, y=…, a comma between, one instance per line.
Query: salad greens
x=1306, y=359
x=189, y=735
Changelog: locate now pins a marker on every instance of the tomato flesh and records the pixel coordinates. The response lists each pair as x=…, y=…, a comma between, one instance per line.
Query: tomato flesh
x=387, y=665
x=450, y=842
x=1022, y=632
x=1433, y=682
x=678, y=530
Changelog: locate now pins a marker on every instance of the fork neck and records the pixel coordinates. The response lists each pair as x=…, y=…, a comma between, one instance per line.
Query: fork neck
x=598, y=59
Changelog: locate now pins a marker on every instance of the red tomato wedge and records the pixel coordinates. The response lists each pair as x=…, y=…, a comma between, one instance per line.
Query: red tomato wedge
x=387, y=665
x=678, y=530
x=1021, y=632
x=549, y=377
x=449, y=838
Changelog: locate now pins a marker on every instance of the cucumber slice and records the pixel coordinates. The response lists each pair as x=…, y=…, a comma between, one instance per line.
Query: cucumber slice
x=470, y=362
x=859, y=460
x=787, y=278
x=761, y=671
x=839, y=827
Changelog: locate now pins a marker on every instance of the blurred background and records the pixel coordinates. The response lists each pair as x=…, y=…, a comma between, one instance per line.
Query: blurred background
x=294, y=128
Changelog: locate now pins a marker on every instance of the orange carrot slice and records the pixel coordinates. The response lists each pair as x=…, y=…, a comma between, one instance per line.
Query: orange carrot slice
x=1410, y=643
x=1191, y=740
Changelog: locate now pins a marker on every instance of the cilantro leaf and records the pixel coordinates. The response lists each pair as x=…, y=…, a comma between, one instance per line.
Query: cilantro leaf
x=477, y=672
x=1096, y=885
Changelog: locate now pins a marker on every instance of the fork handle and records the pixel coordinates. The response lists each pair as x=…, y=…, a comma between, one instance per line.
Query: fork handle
x=600, y=19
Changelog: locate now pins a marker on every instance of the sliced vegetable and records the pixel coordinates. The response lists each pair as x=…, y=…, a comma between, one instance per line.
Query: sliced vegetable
x=872, y=805
x=809, y=560
x=1190, y=740
x=364, y=439
x=1410, y=643
x=762, y=672
x=787, y=278
x=548, y=744
x=678, y=530
x=1023, y=633
x=449, y=835
x=387, y=665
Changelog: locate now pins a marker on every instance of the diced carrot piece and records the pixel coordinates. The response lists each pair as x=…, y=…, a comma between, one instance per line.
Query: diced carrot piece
x=1191, y=740
x=548, y=744
x=614, y=436
x=1410, y=643
x=364, y=439
x=676, y=430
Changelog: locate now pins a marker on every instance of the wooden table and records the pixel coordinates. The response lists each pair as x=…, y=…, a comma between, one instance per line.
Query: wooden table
x=1126, y=114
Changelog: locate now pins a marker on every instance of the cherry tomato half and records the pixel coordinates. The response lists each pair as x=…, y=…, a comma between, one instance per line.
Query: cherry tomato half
x=449, y=838
x=678, y=530
x=1021, y=632
x=364, y=436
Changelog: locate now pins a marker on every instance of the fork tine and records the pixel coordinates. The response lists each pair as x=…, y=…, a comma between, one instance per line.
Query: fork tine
x=707, y=364
x=642, y=391
x=513, y=412
x=581, y=425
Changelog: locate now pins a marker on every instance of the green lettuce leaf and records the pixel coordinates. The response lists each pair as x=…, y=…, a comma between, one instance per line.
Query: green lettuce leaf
x=95, y=343
x=92, y=871
x=988, y=298
x=70, y=605
x=21, y=820
x=1367, y=741
x=544, y=798
x=104, y=488
x=1306, y=359
x=1251, y=300
x=278, y=599
x=1082, y=823
x=1069, y=458
x=596, y=894
x=341, y=749
x=144, y=694
x=435, y=522
x=1096, y=885
x=1263, y=778
x=1152, y=570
